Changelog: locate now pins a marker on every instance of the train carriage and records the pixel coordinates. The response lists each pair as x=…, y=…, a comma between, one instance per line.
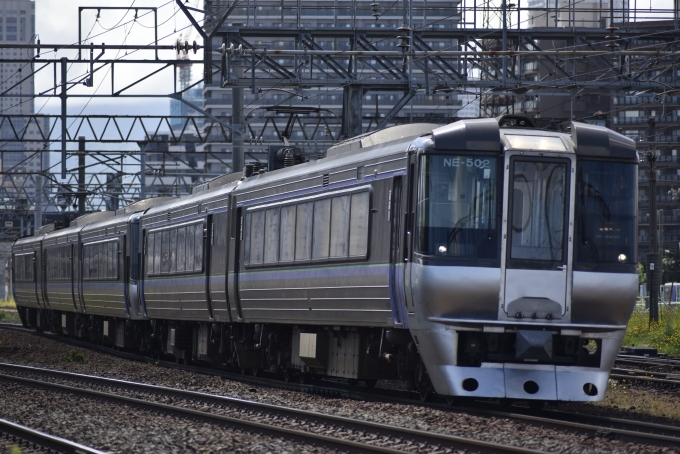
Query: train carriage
x=485, y=258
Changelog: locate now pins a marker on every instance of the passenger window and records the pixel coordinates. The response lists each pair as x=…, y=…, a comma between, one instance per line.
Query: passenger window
x=246, y=243
x=181, y=244
x=157, y=255
x=358, y=229
x=149, y=253
x=340, y=226
x=303, y=231
x=257, y=237
x=173, y=250
x=165, y=251
x=189, y=266
x=198, y=244
x=271, y=238
x=287, y=238
x=322, y=228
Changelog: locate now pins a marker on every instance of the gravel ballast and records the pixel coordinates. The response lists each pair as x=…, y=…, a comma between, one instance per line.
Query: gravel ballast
x=26, y=349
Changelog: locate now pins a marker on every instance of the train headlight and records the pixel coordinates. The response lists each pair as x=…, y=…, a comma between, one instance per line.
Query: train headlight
x=442, y=249
x=622, y=258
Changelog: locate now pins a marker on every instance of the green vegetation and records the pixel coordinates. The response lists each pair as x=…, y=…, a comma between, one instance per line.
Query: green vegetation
x=664, y=335
x=15, y=450
x=9, y=317
x=8, y=304
x=74, y=356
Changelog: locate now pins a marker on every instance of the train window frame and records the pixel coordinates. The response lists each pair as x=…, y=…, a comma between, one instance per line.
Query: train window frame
x=417, y=223
x=108, y=258
x=363, y=229
x=27, y=262
x=629, y=265
x=59, y=259
x=534, y=263
x=193, y=229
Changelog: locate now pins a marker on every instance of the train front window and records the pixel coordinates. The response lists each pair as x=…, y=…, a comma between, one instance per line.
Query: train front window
x=605, y=214
x=457, y=206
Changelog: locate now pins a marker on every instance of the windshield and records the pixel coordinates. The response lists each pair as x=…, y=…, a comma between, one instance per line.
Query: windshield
x=457, y=206
x=605, y=213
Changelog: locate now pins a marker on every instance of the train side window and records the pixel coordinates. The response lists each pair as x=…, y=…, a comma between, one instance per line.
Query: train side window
x=287, y=238
x=322, y=228
x=303, y=231
x=173, y=250
x=189, y=264
x=256, y=237
x=340, y=226
x=198, y=245
x=165, y=251
x=181, y=248
x=157, y=254
x=358, y=229
x=149, y=252
x=271, y=237
x=246, y=243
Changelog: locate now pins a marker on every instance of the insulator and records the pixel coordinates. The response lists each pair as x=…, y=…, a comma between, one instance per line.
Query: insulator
x=256, y=166
x=289, y=159
x=248, y=170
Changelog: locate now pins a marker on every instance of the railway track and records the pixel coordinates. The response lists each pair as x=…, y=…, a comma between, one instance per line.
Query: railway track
x=652, y=371
x=339, y=433
x=598, y=426
x=29, y=440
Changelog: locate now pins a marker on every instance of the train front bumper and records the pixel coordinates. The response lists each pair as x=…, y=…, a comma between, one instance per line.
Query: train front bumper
x=521, y=381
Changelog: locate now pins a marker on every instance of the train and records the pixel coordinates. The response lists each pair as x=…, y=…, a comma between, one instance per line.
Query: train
x=485, y=258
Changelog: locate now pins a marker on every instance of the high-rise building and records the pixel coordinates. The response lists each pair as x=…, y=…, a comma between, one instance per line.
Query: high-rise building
x=265, y=111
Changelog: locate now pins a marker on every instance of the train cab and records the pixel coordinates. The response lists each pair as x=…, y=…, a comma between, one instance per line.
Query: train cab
x=523, y=273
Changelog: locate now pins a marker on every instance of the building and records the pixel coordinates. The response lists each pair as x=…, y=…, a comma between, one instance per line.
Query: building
x=266, y=111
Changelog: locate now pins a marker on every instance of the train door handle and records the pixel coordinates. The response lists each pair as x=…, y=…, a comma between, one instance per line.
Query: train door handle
x=562, y=267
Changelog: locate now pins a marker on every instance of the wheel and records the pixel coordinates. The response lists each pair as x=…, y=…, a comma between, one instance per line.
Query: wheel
x=288, y=376
x=304, y=378
x=451, y=400
x=255, y=371
x=370, y=384
x=424, y=394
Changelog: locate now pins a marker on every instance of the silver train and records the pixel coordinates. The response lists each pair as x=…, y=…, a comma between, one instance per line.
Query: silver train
x=485, y=258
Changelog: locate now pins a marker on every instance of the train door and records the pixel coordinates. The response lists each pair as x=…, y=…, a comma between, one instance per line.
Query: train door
x=537, y=238
x=396, y=254
x=208, y=239
x=36, y=279
x=218, y=263
x=134, y=267
x=74, y=278
x=234, y=262
x=40, y=279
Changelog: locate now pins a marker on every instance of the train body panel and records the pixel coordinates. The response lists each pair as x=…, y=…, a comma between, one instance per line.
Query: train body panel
x=480, y=259
x=316, y=244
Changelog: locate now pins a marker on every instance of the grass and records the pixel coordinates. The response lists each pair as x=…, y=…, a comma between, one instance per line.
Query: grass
x=74, y=356
x=664, y=335
x=8, y=304
x=9, y=317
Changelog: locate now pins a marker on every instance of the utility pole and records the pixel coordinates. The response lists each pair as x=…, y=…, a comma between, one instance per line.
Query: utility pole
x=81, y=175
x=653, y=262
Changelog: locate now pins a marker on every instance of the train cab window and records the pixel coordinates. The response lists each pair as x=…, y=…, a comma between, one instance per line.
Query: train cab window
x=321, y=229
x=457, y=208
x=605, y=215
x=539, y=210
